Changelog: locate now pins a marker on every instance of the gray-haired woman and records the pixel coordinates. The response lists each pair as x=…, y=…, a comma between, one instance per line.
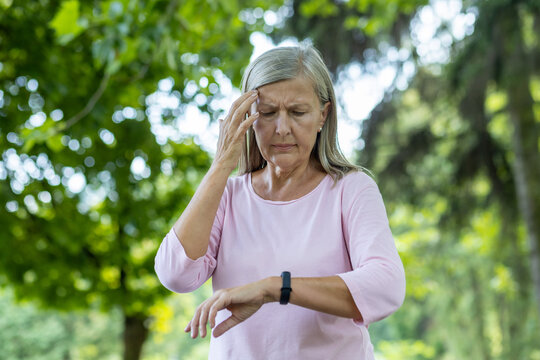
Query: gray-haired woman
x=297, y=208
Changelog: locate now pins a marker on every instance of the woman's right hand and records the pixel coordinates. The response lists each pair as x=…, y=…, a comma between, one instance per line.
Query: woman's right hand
x=232, y=131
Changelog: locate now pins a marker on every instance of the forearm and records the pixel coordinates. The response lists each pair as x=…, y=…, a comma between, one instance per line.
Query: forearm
x=325, y=294
x=193, y=227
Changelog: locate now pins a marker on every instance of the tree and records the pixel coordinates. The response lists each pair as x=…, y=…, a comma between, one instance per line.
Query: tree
x=360, y=27
x=478, y=148
x=93, y=170
x=443, y=153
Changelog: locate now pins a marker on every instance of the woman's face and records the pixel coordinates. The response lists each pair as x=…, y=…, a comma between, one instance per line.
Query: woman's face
x=290, y=117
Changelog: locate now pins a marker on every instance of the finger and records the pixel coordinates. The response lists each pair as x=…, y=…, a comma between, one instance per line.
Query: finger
x=195, y=323
x=225, y=326
x=244, y=126
x=245, y=108
x=188, y=327
x=238, y=102
x=194, y=331
x=203, y=320
x=222, y=302
x=253, y=108
x=240, y=112
x=213, y=313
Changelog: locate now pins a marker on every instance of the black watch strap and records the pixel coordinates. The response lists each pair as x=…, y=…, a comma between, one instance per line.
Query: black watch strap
x=285, y=288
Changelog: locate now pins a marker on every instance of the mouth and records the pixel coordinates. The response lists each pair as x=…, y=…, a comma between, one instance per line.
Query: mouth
x=283, y=147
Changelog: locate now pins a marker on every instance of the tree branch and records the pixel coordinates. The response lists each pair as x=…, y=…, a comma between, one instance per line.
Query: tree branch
x=91, y=103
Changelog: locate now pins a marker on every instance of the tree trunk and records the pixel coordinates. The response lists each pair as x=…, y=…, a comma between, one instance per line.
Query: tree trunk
x=135, y=334
x=479, y=318
x=513, y=310
x=525, y=139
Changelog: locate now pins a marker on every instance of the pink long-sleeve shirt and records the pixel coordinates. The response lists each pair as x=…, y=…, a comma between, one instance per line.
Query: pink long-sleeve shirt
x=337, y=229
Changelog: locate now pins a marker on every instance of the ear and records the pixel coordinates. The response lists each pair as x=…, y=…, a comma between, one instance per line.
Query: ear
x=324, y=112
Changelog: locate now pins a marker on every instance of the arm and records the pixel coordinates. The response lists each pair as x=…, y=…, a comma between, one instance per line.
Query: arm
x=193, y=227
x=326, y=294
x=371, y=291
x=377, y=281
x=186, y=257
x=195, y=224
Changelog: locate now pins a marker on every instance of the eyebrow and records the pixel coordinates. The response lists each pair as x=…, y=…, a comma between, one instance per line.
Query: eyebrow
x=290, y=106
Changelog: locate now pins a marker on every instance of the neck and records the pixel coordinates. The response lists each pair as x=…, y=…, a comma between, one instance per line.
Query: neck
x=276, y=178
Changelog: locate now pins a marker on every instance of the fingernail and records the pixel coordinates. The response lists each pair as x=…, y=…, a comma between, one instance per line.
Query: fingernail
x=256, y=114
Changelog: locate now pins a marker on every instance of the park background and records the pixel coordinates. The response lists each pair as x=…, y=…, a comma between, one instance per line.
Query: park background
x=108, y=116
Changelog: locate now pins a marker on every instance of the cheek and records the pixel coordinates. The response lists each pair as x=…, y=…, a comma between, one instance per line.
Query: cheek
x=262, y=128
x=259, y=133
x=309, y=128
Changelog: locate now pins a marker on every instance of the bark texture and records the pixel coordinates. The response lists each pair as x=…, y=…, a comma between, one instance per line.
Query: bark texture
x=516, y=77
x=135, y=334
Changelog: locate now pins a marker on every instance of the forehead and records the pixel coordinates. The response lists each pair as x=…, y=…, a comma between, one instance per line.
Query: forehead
x=298, y=90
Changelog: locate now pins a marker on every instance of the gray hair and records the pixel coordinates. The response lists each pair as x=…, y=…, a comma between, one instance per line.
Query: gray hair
x=285, y=63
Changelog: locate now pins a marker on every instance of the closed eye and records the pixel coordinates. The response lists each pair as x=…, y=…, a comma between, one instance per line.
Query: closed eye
x=298, y=113
x=269, y=113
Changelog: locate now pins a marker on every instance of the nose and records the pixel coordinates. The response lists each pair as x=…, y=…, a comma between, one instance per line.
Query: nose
x=283, y=125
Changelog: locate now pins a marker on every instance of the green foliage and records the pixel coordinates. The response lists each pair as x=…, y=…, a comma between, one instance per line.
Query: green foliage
x=65, y=22
x=358, y=24
x=449, y=183
x=168, y=338
x=94, y=170
x=320, y=8
x=28, y=332
x=75, y=80
x=406, y=349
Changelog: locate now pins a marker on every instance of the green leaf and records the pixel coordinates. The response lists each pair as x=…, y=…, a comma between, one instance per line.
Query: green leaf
x=55, y=143
x=5, y=3
x=351, y=22
x=65, y=22
x=322, y=8
x=113, y=67
x=28, y=145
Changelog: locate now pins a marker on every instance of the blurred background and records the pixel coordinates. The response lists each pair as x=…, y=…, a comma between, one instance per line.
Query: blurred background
x=108, y=116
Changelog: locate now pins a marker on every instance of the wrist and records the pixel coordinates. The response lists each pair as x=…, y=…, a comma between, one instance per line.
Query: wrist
x=272, y=289
x=224, y=162
x=218, y=168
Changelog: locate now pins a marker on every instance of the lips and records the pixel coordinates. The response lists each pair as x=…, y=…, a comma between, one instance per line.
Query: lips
x=283, y=147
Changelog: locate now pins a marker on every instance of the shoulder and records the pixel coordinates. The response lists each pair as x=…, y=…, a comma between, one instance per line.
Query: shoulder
x=355, y=182
x=236, y=180
x=360, y=193
x=235, y=187
x=237, y=184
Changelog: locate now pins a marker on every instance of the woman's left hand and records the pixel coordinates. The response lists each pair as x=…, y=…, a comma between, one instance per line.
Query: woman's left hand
x=241, y=301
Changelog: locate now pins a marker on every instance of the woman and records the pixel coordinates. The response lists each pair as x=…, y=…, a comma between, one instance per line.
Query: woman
x=297, y=206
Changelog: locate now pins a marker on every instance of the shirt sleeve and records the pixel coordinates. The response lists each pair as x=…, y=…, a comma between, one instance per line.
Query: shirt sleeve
x=179, y=273
x=377, y=281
